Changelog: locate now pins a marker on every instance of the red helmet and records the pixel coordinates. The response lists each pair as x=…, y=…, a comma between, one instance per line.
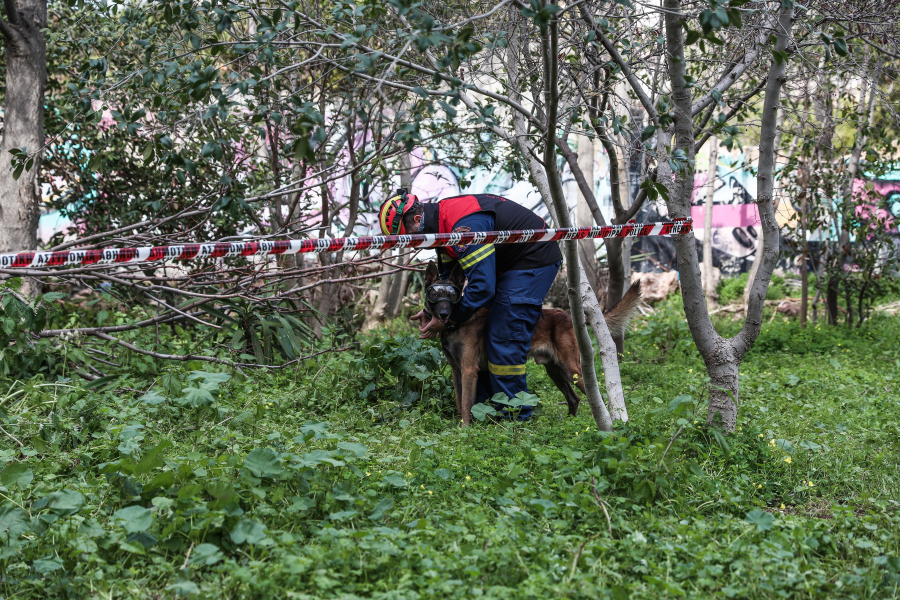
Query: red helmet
x=390, y=217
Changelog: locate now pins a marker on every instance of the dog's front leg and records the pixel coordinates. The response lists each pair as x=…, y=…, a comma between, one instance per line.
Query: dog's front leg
x=457, y=390
x=469, y=390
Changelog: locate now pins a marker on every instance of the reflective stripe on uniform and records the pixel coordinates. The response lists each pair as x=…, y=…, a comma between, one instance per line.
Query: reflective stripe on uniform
x=506, y=369
x=472, y=259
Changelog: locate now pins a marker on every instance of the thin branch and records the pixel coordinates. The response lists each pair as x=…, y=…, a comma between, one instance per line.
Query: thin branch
x=735, y=109
x=884, y=51
x=623, y=64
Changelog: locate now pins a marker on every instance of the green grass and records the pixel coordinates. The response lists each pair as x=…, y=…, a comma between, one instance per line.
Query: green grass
x=732, y=289
x=349, y=477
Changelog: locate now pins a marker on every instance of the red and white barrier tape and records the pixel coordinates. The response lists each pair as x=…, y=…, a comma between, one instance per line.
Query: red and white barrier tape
x=106, y=256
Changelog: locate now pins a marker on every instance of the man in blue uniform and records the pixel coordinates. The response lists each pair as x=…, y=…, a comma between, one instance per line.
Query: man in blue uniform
x=511, y=279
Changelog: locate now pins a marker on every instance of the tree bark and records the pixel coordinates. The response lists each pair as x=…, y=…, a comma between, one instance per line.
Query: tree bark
x=586, y=248
x=23, y=125
x=709, y=282
x=722, y=357
x=804, y=257
x=574, y=273
x=377, y=316
x=399, y=283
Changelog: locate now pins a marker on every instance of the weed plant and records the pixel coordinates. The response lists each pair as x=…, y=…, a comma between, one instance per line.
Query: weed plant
x=349, y=477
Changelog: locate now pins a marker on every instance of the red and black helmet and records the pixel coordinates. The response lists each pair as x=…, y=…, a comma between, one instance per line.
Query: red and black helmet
x=390, y=217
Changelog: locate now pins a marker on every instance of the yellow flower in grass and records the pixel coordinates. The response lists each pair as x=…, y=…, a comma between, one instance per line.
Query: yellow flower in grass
x=468, y=478
x=787, y=459
x=761, y=435
x=811, y=484
x=759, y=486
x=782, y=506
x=430, y=492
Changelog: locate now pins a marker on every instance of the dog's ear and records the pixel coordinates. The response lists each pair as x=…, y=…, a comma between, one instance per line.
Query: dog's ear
x=457, y=277
x=431, y=273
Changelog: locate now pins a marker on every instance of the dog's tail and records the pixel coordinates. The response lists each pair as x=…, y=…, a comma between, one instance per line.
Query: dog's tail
x=620, y=315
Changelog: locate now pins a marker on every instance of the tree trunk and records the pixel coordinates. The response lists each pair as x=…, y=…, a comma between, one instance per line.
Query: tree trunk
x=399, y=283
x=23, y=125
x=377, y=316
x=804, y=257
x=722, y=357
x=709, y=281
x=574, y=271
x=586, y=248
x=624, y=200
x=831, y=298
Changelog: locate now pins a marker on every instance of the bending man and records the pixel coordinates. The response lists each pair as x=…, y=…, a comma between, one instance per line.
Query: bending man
x=511, y=279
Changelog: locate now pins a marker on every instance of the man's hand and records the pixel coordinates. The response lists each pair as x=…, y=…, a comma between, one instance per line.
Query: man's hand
x=428, y=329
x=432, y=330
x=421, y=318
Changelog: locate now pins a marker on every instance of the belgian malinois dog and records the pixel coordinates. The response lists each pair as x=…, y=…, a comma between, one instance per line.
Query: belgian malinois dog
x=552, y=345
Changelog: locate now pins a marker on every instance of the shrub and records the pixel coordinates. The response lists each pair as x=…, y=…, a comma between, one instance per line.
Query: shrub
x=732, y=290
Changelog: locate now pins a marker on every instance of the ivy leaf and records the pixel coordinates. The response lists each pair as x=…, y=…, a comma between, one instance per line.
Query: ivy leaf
x=358, y=449
x=13, y=522
x=184, y=588
x=263, y=462
x=16, y=474
x=196, y=397
x=206, y=555
x=395, y=480
x=542, y=505
x=47, y=565
x=480, y=411
x=151, y=458
x=761, y=519
x=248, y=531
x=133, y=518
x=383, y=506
x=66, y=502
x=152, y=398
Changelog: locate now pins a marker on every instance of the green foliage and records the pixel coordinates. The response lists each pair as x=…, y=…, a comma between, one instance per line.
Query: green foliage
x=254, y=494
x=732, y=289
x=401, y=371
x=22, y=351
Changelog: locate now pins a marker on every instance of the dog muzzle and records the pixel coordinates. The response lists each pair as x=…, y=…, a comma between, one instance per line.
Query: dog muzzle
x=431, y=316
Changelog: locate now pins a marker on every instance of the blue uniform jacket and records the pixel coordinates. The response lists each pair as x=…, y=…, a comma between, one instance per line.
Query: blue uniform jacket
x=479, y=263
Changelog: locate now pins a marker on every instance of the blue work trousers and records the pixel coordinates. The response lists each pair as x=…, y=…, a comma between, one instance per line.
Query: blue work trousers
x=514, y=315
